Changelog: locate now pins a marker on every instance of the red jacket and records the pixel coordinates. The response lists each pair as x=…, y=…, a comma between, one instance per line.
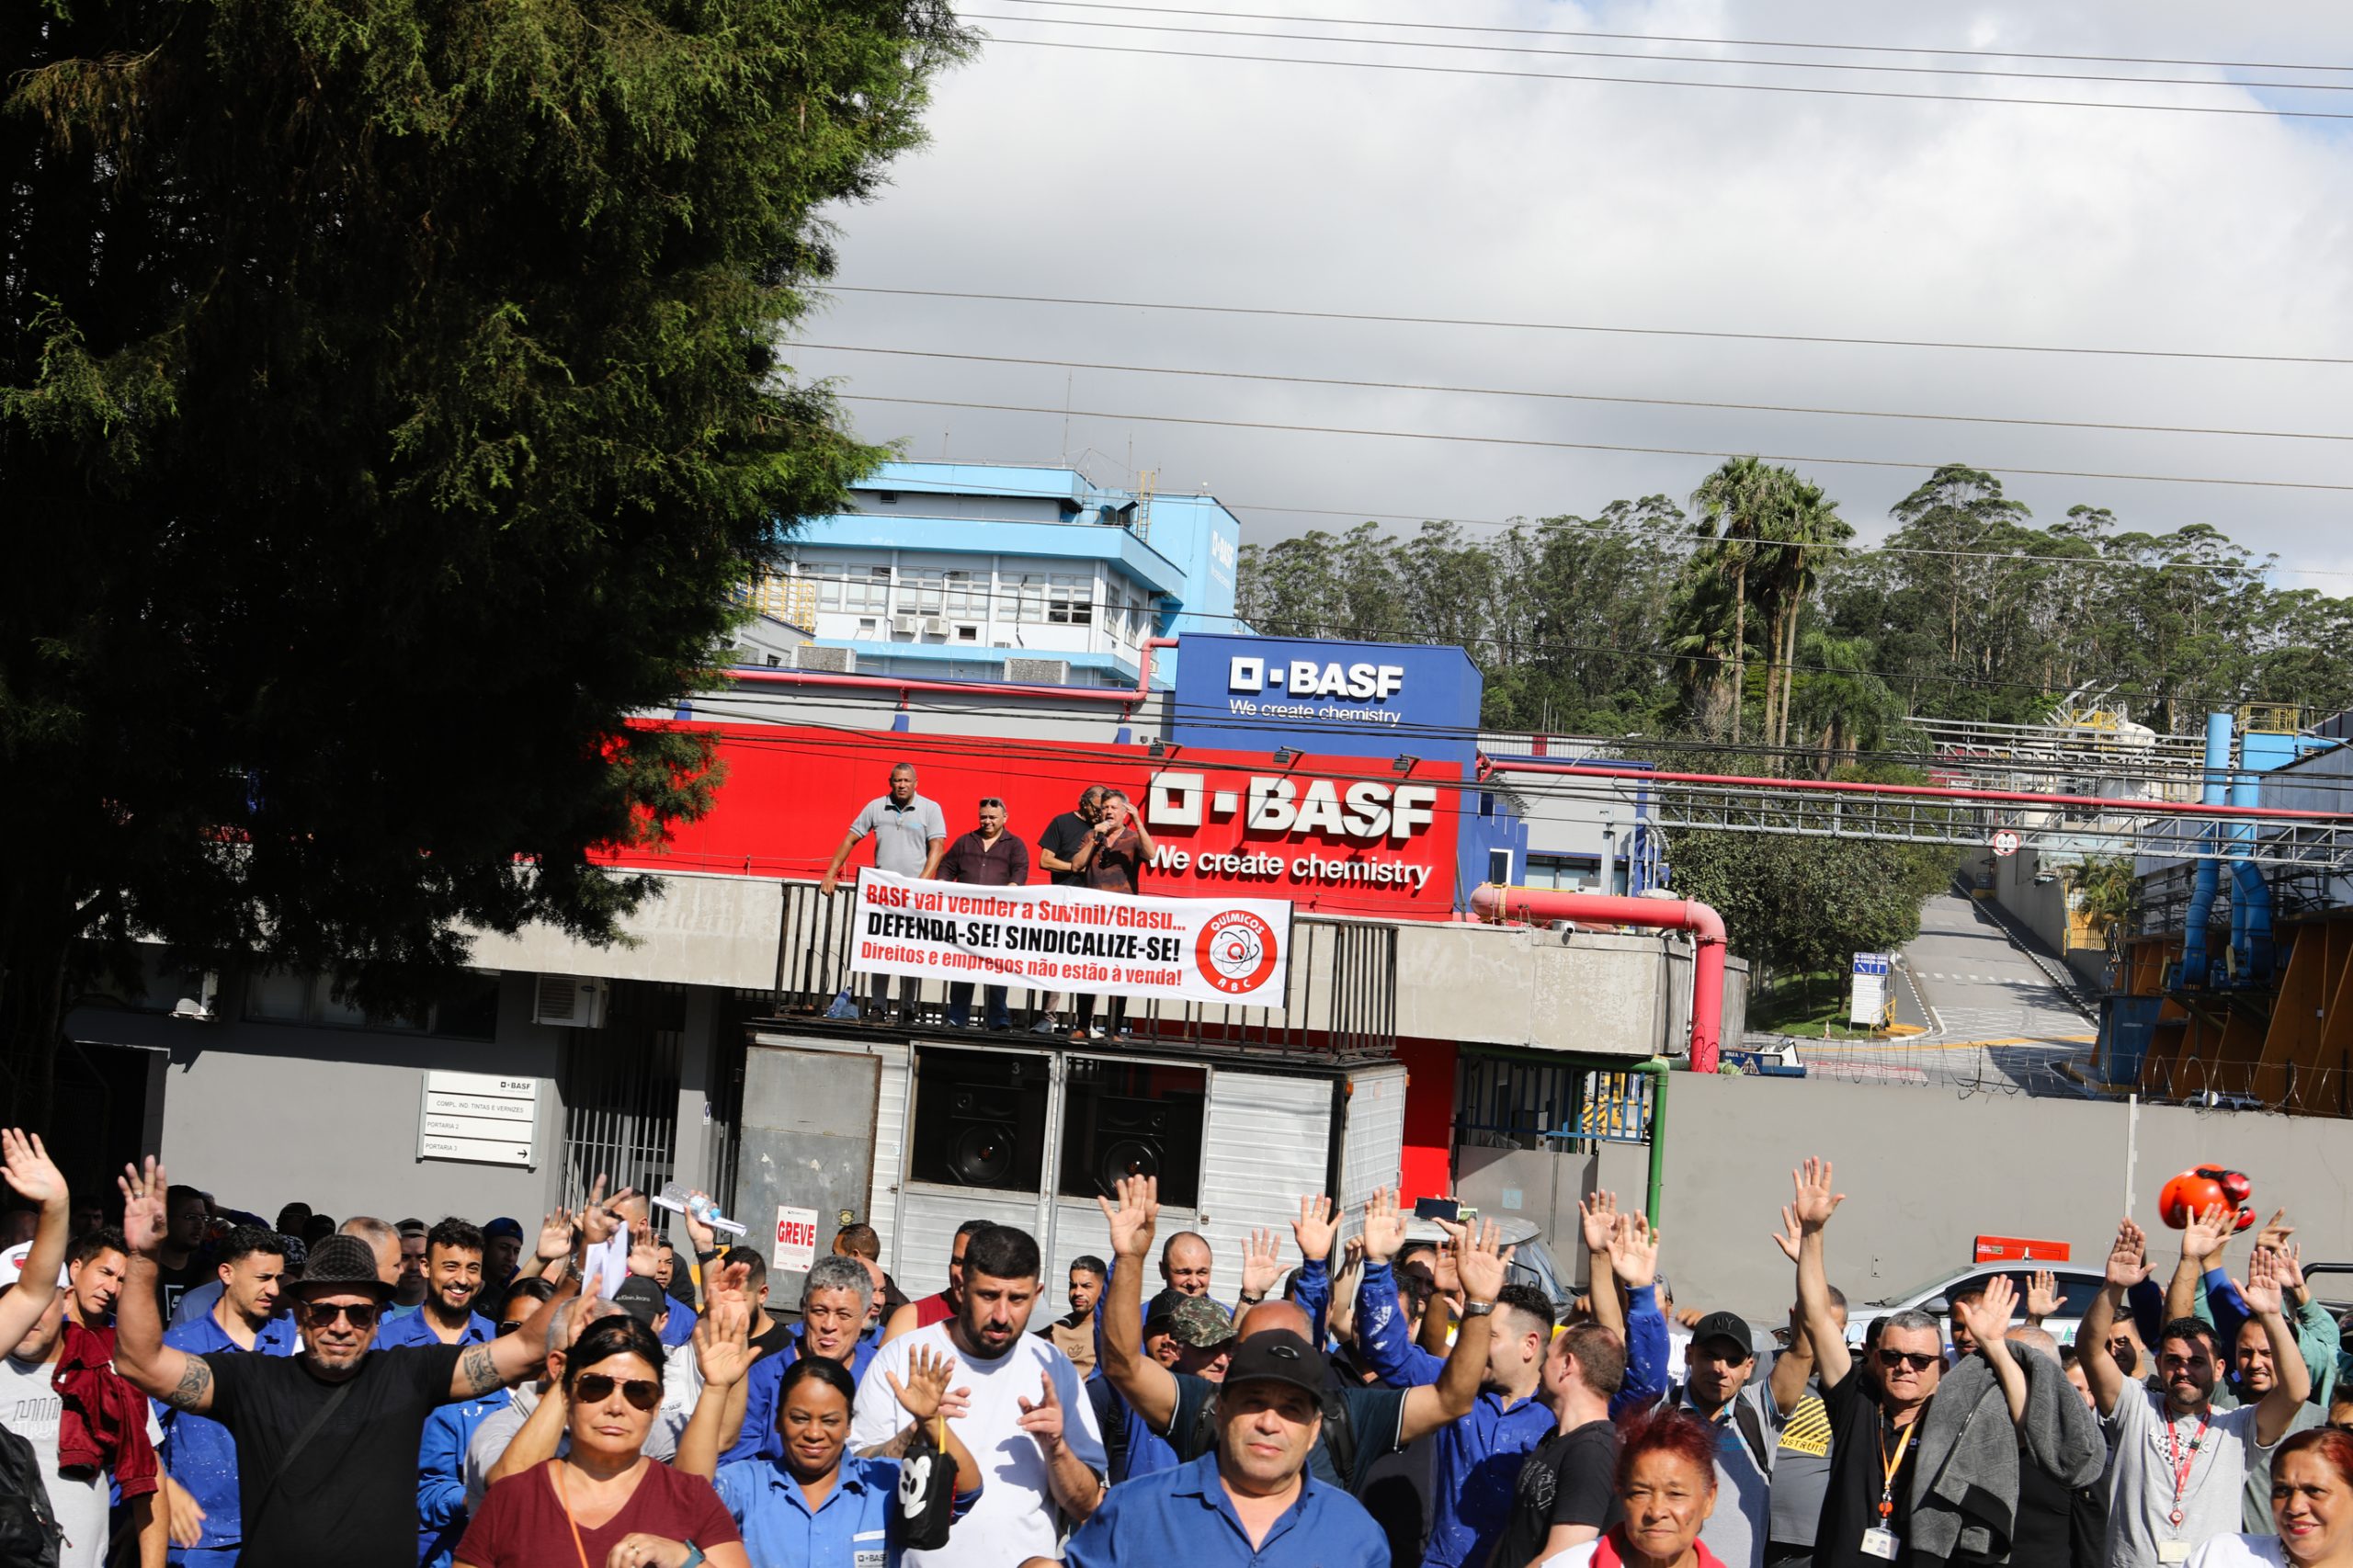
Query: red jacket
x=104, y=1425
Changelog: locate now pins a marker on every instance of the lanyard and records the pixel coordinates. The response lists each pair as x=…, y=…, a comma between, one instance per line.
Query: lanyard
x=1889, y=1467
x=2182, y=1461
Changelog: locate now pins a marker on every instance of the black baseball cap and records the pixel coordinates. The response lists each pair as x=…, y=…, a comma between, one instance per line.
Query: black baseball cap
x=1725, y=1325
x=1163, y=1308
x=642, y=1299
x=1277, y=1355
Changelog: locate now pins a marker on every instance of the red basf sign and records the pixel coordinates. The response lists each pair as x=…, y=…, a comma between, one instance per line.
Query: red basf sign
x=1339, y=834
x=2020, y=1249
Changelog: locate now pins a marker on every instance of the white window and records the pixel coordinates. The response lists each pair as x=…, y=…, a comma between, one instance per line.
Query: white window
x=869, y=594
x=1070, y=601
x=966, y=600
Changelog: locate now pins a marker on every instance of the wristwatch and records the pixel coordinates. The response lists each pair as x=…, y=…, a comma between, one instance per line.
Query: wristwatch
x=1477, y=1308
x=706, y=1256
x=1248, y=1300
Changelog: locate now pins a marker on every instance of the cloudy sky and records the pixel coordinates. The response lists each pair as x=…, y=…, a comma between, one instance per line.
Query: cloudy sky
x=1480, y=191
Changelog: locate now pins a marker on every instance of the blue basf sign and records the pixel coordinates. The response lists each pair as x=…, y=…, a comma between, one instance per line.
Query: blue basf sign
x=1347, y=698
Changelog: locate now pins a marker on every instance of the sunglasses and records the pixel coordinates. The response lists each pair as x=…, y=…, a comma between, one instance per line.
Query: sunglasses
x=993, y=801
x=595, y=1388
x=319, y=1314
x=1918, y=1361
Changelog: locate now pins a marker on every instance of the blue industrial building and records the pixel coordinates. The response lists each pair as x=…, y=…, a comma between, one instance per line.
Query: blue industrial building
x=963, y=571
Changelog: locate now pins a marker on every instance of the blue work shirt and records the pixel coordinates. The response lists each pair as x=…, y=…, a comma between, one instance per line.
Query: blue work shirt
x=1478, y=1455
x=442, y=1514
x=759, y=1439
x=197, y=1451
x=415, y=1328
x=1183, y=1516
x=679, y=1328
x=1147, y=1452
x=858, y=1517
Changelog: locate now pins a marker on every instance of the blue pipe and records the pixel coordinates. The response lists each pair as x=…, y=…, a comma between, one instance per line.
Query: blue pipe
x=2194, y=962
x=2251, y=941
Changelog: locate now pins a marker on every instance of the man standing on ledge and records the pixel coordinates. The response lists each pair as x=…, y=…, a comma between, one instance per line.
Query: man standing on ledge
x=910, y=838
x=988, y=857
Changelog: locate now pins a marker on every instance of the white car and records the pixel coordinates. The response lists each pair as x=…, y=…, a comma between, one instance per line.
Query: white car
x=1531, y=1261
x=2077, y=1287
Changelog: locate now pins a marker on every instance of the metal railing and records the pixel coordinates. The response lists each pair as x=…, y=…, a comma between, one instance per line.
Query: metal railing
x=1511, y=1102
x=1340, y=996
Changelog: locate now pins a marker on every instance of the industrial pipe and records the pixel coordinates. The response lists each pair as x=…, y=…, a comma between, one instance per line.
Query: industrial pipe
x=1707, y=929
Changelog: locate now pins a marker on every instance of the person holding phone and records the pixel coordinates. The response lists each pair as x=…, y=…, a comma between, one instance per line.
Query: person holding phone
x=1111, y=858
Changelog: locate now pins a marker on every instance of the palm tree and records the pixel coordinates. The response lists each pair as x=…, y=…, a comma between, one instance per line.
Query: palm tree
x=1740, y=498
x=1842, y=701
x=1804, y=532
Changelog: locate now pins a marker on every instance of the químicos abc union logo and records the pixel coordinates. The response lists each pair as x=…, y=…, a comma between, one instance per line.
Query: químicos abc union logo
x=1236, y=951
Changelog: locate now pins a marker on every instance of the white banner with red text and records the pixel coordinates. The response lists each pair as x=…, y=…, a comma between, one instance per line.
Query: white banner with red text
x=1059, y=939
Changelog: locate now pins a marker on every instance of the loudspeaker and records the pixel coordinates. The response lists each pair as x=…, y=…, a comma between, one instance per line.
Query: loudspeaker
x=1129, y=1140
x=984, y=1146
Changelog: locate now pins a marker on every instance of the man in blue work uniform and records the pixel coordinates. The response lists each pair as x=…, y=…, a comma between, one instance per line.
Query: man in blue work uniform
x=833, y=1305
x=1251, y=1500
x=198, y=1453
x=1478, y=1455
x=453, y=1254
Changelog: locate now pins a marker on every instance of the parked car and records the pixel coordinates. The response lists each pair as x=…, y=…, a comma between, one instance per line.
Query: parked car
x=2077, y=1287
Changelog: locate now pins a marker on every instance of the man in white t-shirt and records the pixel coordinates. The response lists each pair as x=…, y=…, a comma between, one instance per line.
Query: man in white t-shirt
x=2179, y=1465
x=1028, y=1421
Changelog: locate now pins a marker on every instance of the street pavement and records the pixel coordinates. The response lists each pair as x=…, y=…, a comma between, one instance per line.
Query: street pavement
x=1989, y=1015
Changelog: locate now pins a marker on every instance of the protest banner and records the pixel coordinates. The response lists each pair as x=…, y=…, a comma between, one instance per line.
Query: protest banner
x=1060, y=938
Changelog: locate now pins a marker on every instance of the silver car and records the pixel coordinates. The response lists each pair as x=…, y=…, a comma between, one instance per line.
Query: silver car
x=2077, y=1287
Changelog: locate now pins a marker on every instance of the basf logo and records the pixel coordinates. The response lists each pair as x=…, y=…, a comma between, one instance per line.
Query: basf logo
x=1345, y=699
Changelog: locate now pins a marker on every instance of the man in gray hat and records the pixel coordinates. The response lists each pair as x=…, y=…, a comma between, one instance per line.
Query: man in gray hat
x=326, y=1439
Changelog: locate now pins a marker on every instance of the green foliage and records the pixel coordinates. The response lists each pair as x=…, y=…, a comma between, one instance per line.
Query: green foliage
x=389, y=406
x=1798, y=905
x=2101, y=888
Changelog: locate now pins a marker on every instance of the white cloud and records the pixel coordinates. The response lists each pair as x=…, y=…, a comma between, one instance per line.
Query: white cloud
x=1059, y=172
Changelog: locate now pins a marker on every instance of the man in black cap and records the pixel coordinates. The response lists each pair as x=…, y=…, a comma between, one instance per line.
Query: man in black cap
x=1716, y=1388
x=326, y=1439
x=1250, y=1500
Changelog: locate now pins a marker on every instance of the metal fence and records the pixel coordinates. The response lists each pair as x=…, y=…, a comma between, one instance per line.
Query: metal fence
x=620, y=1090
x=1561, y=1107
x=1341, y=995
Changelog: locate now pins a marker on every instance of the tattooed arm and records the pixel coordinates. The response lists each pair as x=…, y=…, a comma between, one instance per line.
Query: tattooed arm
x=154, y=1367
x=510, y=1358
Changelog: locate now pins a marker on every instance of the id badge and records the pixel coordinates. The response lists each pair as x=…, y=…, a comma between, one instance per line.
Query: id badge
x=1883, y=1544
x=2173, y=1551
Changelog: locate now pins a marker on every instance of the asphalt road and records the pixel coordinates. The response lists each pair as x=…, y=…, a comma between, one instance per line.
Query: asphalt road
x=1990, y=1016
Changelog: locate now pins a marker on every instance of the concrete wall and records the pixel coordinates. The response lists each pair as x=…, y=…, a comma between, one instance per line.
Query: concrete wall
x=261, y=1114
x=1593, y=991
x=1926, y=1170
x=701, y=930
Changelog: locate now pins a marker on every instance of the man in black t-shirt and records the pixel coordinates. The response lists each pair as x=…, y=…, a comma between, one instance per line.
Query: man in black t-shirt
x=326, y=1439
x=1567, y=1490
x=1057, y=848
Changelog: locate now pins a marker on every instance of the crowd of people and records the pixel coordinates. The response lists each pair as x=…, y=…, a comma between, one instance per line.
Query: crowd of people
x=188, y=1383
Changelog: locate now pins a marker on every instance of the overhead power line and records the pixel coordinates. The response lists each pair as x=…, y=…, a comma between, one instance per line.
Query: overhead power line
x=1397, y=320
x=1668, y=81
x=1573, y=397
x=1571, y=445
x=1718, y=59
x=1722, y=42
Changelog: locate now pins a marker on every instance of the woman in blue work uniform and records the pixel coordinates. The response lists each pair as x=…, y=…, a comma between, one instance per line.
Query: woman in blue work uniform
x=818, y=1504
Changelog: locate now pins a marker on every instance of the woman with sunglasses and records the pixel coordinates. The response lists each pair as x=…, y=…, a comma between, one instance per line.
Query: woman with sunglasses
x=2312, y=1504
x=1667, y=1489
x=603, y=1504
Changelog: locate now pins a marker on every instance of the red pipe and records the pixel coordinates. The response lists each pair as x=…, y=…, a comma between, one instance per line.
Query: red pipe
x=1707, y=929
x=753, y=676
x=1929, y=792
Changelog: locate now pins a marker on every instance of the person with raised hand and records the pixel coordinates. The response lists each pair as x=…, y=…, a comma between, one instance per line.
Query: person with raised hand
x=1316, y=1230
x=326, y=1439
x=2181, y=1465
x=1262, y=1271
x=811, y=1502
x=1361, y=1426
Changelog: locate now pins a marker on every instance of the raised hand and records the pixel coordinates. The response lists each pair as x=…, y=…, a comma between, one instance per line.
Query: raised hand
x=1315, y=1227
x=555, y=1235
x=1484, y=1265
x=698, y=1233
x=2128, y=1261
x=2290, y=1259
x=1633, y=1251
x=1384, y=1227
x=601, y=1217
x=1987, y=1316
x=2276, y=1229
x=644, y=1256
x=1443, y=1272
x=2262, y=1290
x=723, y=1341
x=1813, y=1201
x=2042, y=1295
x=925, y=1393
x=1043, y=1420
x=1598, y=1218
x=730, y=1283
x=1262, y=1262
x=25, y=1165
x=2208, y=1229
x=1790, y=1234
x=1133, y=1220
x=144, y=1221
